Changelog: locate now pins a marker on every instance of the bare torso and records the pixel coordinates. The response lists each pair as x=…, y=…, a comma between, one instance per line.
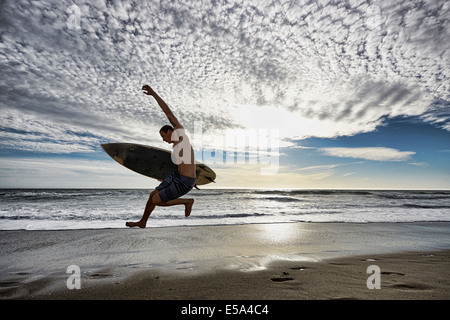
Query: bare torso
x=187, y=169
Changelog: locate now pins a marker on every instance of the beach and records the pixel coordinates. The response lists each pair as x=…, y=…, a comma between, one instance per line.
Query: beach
x=284, y=261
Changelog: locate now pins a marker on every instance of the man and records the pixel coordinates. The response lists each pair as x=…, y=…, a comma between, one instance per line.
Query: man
x=168, y=193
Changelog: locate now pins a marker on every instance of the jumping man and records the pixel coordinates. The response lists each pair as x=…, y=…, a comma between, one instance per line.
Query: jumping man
x=170, y=190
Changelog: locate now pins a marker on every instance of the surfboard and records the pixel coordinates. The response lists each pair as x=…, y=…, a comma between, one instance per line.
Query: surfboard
x=152, y=162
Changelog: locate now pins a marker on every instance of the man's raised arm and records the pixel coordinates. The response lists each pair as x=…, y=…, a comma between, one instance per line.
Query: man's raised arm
x=165, y=108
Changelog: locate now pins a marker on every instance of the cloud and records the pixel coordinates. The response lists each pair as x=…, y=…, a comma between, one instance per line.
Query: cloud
x=44, y=136
x=327, y=166
x=327, y=69
x=58, y=172
x=419, y=164
x=369, y=153
x=438, y=114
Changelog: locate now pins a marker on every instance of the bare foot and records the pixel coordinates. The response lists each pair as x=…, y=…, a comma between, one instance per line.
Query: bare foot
x=188, y=207
x=135, y=224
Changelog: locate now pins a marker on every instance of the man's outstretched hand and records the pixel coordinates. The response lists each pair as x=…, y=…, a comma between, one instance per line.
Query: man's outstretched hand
x=147, y=90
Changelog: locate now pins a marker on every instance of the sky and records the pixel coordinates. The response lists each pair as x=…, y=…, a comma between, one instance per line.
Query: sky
x=274, y=94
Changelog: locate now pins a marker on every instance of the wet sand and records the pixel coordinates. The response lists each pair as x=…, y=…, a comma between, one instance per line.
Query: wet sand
x=294, y=261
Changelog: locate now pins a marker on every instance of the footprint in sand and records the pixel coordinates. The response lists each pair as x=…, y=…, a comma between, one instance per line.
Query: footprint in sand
x=387, y=273
x=299, y=268
x=100, y=274
x=282, y=278
x=412, y=286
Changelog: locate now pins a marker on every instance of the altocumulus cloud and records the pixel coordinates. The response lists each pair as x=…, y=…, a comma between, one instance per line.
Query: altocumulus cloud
x=72, y=70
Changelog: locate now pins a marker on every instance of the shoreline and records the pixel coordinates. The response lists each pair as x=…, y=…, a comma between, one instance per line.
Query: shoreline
x=150, y=227
x=324, y=260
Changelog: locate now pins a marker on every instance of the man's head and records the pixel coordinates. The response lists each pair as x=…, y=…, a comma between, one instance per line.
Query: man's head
x=166, y=133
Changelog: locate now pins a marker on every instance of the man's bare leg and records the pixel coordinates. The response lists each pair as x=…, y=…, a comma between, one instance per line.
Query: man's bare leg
x=156, y=199
x=149, y=207
x=188, y=207
x=153, y=201
x=188, y=203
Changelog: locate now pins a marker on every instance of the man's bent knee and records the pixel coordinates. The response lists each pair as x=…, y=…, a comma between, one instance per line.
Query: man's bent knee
x=152, y=194
x=155, y=198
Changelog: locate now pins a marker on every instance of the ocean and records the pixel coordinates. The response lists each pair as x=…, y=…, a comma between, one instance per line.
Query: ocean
x=55, y=209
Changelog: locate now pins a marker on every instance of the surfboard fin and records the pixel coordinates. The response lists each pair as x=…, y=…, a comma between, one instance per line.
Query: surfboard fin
x=210, y=179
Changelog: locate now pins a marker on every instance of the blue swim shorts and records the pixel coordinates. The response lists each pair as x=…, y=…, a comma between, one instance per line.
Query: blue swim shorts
x=175, y=186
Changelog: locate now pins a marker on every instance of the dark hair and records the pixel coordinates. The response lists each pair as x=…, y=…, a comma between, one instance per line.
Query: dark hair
x=166, y=128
